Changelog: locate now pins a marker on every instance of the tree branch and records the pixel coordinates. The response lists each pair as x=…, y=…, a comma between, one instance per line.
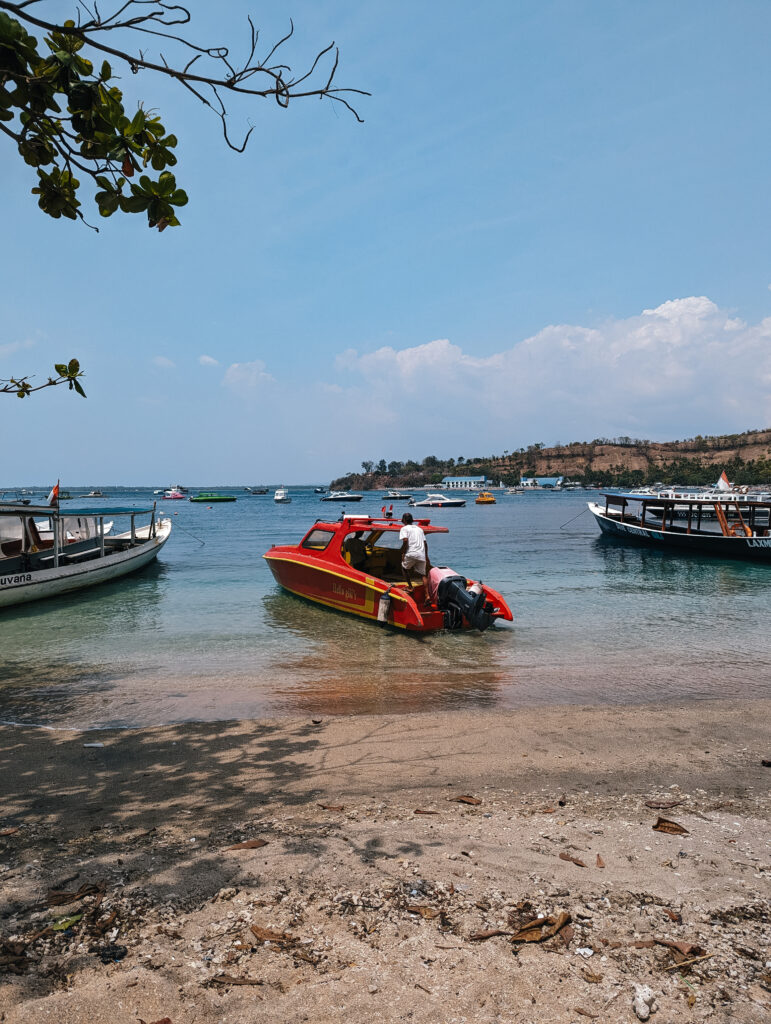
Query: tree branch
x=280, y=88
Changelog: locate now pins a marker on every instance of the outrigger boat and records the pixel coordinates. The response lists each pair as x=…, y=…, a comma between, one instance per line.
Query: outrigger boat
x=720, y=524
x=70, y=550
x=319, y=568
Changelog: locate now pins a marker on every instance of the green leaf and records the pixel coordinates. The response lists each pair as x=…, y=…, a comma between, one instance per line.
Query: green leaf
x=61, y=924
x=79, y=389
x=137, y=124
x=73, y=367
x=61, y=369
x=106, y=71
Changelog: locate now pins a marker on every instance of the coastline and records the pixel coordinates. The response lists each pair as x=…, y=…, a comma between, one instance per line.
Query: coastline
x=152, y=812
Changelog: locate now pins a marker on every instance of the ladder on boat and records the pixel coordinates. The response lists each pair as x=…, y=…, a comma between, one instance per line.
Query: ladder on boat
x=737, y=528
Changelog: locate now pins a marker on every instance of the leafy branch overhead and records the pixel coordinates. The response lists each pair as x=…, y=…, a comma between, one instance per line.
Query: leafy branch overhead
x=68, y=119
x=68, y=373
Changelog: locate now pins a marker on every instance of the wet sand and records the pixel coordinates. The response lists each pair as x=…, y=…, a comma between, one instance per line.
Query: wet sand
x=373, y=910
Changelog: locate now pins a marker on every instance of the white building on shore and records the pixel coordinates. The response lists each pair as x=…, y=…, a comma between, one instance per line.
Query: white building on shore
x=464, y=483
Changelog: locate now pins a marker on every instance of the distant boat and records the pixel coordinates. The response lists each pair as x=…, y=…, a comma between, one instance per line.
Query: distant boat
x=256, y=490
x=282, y=496
x=342, y=496
x=319, y=490
x=91, y=494
x=485, y=498
x=14, y=499
x=438, y=501
x=207, y=496
x=173, y=494
x=398, y=496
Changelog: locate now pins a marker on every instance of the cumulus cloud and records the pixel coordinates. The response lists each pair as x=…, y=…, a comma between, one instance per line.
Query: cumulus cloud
x=246, y=377
x=15, y=346
x=683, y=368
x=163, y=362
x=208, y=361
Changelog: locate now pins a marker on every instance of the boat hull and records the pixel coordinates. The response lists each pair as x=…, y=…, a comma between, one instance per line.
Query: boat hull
x=358, y=593
x=354, y=593
x=23, y=587
x=754, y=549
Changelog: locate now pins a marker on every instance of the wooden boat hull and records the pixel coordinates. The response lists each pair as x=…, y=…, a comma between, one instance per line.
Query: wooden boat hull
x=755, y=549
x=22, y=587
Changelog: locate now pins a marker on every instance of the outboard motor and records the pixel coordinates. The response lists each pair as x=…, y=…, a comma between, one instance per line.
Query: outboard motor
x=459, y=602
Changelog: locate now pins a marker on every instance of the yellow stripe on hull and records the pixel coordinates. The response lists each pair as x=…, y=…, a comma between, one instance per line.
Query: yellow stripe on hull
x=337, y=607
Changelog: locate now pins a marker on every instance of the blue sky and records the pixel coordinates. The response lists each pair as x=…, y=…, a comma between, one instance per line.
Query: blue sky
x=553, y=225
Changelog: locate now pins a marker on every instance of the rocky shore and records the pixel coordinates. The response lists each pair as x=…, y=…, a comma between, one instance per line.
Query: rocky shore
x=465, y=867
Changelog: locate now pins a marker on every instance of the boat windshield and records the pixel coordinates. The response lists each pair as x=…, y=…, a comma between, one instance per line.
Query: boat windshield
x=318, y=540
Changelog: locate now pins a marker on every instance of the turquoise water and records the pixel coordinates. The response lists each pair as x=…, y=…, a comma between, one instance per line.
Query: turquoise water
x=206, y=634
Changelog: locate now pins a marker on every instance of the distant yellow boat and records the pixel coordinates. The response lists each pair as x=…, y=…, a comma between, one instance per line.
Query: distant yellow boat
x=485, y=498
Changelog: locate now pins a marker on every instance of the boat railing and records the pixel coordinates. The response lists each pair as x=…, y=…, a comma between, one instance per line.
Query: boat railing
x=59, y=543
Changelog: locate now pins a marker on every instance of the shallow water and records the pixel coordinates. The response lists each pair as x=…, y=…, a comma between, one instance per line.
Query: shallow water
x=206, y=633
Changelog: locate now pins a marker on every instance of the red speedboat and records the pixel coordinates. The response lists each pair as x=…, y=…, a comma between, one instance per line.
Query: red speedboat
x=319, y=569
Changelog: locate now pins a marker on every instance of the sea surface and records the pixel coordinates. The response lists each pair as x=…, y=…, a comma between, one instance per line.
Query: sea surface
x=206, y=633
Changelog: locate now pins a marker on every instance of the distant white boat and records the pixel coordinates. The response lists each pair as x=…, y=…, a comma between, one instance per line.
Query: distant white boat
x=438, y=501
x=282, y=496
x=342, y=496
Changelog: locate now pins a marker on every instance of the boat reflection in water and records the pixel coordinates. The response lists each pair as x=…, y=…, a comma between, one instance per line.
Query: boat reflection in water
x=341, y=665
x=82, y=668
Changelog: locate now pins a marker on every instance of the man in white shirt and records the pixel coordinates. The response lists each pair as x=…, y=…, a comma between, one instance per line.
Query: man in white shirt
x=414, y=550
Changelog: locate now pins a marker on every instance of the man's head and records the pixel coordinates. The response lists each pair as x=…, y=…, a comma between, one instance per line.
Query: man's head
x=407, y=518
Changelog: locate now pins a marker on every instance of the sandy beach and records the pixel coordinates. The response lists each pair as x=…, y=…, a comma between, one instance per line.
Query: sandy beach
x=436, y=867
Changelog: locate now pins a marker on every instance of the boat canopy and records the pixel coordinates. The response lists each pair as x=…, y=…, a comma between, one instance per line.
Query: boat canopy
x=615, y=498
x=69, y=512
x=355, y=523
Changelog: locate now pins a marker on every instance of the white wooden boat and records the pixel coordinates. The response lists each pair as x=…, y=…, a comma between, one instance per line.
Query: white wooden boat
x=282, y=496
x=74, y=552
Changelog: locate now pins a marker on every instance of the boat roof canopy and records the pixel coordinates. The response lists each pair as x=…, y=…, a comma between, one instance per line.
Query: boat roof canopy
x=353, y=523
x=614, y=498
x=71, y=513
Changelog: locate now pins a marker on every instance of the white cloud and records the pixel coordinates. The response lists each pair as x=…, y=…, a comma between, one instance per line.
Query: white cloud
x=163, y=362
x=15, y=346
x=246, y=377
x=208, y=361
x=683, y=368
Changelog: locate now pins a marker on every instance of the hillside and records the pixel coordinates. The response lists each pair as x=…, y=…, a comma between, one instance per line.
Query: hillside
x=621, y=461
